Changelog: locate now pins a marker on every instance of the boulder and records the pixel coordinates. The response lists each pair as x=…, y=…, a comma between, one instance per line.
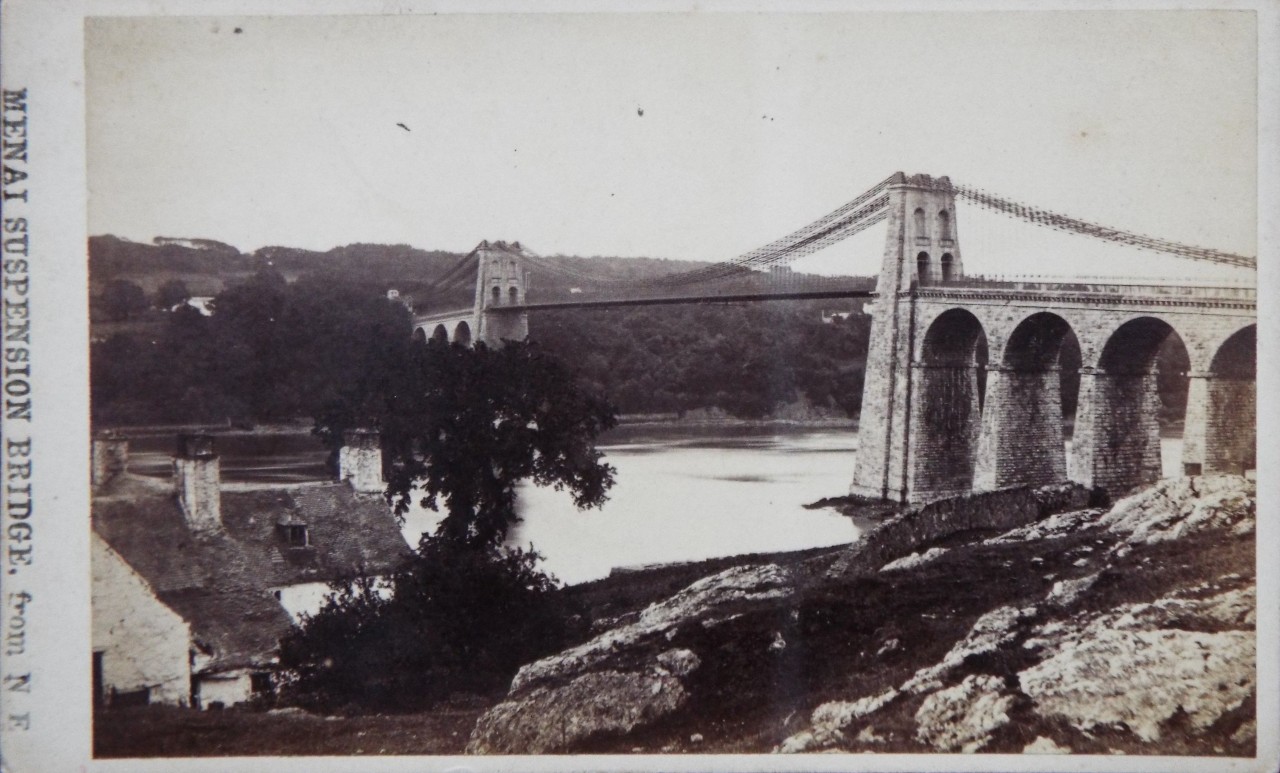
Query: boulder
x=905, y=533
x=624, y=678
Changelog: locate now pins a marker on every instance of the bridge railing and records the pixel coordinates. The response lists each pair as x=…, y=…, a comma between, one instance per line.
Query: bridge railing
x=1195, y=287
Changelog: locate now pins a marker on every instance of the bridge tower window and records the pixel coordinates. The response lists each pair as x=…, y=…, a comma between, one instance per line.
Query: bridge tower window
x=944, y=225
x=921, y=226
x=948, y=267
x=497, y=295
x=514, y=295
x=922, y=267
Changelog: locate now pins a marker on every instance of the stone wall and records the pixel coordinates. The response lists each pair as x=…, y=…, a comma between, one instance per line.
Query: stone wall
x=360, y=461
x=110, y=458
x=227, y=688
x=1022, y=438
x=946, y=423
x=499, y=326
x=1230, y=426
x=1117, y=439
x=144, y=644
x=907, y=532
x=198, y=482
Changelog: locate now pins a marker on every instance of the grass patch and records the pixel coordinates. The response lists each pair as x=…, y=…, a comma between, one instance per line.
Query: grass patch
x=164, y=731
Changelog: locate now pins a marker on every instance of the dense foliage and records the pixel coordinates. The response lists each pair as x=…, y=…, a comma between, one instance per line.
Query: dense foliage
x=461, y=427
x=271, y=351
x=747, y=360
x=453, y=621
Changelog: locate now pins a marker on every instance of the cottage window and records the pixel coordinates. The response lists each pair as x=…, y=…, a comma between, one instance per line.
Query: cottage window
x=260, y=682
x=296, y=535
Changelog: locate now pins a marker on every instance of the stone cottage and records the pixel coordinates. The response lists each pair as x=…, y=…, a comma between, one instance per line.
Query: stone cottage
x=215, y=563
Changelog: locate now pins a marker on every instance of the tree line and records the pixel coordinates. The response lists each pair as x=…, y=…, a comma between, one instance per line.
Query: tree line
x=274, y=350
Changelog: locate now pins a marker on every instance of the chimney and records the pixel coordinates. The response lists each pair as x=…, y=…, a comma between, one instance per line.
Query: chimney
x=360, y=460
x=110, y=458
x=196, y=473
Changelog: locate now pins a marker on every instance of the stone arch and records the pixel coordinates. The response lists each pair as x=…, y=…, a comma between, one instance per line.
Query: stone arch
x=1231, y=405
x=462, y=334
x=419, y=335
x=922, y=267
x=947, y=406
x=1237, y=357
x=948, y=265
x=441, y=334
x=944, y=225
x=1117, y=439
x=1023, y=428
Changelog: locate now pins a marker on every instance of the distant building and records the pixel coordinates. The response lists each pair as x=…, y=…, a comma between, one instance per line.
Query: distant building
x=404, y=300
x=201, y=303
x=211, y=566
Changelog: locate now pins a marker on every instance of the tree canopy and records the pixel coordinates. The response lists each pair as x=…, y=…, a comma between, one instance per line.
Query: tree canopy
x=461, y=427
x=452, y=621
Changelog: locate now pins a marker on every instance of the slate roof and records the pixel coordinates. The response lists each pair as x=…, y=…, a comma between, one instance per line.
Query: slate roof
x=221, y=582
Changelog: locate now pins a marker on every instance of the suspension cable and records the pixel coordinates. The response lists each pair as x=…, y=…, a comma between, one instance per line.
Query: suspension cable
x=1048, y=219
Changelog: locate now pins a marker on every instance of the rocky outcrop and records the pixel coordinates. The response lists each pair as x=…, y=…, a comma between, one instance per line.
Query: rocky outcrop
x=1176, y=508
x=1182, y=662
x=903, y=534
x=623, y=678
x=1137, y=670
x=1081, y=631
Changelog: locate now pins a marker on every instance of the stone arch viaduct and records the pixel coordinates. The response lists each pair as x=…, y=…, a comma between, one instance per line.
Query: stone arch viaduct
x=929, y=428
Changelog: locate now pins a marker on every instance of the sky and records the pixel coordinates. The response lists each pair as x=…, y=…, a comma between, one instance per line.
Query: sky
x=693, y=136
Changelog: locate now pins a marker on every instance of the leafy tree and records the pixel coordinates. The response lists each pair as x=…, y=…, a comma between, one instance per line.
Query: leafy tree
x=463, y=426
x=122, y=300
x=171, y=293
x=452, y=621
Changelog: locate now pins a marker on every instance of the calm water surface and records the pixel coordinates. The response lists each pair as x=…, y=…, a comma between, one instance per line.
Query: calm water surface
x=682, y=493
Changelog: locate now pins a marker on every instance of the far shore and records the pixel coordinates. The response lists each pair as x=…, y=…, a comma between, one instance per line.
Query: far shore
x=304, y=426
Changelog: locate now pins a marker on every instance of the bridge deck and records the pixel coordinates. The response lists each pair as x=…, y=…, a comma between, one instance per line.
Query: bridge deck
x=1089, y=290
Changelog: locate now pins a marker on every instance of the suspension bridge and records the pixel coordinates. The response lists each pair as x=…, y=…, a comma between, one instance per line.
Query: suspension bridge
x=962, y=388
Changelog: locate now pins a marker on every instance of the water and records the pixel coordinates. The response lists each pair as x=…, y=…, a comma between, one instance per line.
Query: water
x=686, y=495
x=682, y=493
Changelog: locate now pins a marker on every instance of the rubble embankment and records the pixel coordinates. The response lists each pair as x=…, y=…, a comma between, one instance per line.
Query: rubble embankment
x=1049, y=627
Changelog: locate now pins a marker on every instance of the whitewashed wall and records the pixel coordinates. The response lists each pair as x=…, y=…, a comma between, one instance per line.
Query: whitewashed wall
x=144, y=643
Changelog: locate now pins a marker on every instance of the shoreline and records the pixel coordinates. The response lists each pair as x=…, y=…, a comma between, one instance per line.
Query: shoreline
x=304, y=426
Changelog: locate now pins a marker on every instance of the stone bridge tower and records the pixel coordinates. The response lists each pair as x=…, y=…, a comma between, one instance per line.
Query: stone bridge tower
x=502, y=281
x=921, y=248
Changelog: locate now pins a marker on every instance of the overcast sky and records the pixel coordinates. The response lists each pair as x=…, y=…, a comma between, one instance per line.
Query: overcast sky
x=671, y=135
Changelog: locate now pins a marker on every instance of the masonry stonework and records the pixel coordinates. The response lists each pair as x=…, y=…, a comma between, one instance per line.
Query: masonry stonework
x=110, y=458
x=1022, y=442
x=144, y=644
x=916, y=437
x=360, y=461
x=197, y=477
x=1230, y=422
x=881, y=469
x=502, y=280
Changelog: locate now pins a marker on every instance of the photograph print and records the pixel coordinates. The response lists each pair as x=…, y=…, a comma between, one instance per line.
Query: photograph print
x=675, y=384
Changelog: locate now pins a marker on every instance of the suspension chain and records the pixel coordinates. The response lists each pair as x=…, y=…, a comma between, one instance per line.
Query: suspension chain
x=1047, y=219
